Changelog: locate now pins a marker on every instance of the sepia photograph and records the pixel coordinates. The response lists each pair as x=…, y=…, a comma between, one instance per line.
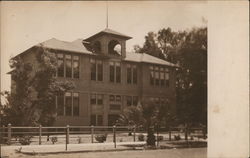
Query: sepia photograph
x=107, y=79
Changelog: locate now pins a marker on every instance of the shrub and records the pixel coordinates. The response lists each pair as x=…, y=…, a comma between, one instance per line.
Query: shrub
x=141, y=137
x=151, y=138
x=101, y=138
x=177, y=137
x=53, y=139
x=25, y=140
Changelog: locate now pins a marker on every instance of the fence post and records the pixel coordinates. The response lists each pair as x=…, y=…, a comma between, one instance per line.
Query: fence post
x=134, y=132
x=169, y=133
x=92, y=134
x=40, y=134
x=114, y=138
x=67, y=134
x=9, y=134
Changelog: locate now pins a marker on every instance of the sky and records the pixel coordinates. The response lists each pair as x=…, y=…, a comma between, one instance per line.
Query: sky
x=24, y=24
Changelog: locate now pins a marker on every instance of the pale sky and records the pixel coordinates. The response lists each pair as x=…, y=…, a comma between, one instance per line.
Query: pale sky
x=24, y=24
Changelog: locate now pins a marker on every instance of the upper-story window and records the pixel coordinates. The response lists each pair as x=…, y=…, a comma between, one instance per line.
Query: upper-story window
x=64, y=65
x=115, y=72
x=60, y=65
x=159, y=76
x=68, y=104
x=96, y=70
x=131, y=74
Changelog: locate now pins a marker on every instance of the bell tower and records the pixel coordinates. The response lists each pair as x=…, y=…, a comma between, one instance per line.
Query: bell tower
x=109, y=43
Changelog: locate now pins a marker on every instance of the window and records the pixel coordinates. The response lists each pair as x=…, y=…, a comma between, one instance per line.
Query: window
x=76, y=66
x=115, y=102
x=151, y=75
x=131, y=74
x=159, y=76
x=112, y=72
x=111, y=98
x=68, y=104
x=93, y=69
x=99, y=70
x=96, y=99
x=135, y=74
x=75, y=104
x=68, y=65
x=118, y=72
x=99, y=99
x=60, y=105
x=129, y=100
x=132, y=100
x=60, y=65
x=162, y=78
x=115, y=72
x=96, y=70
x=167, y=77
x=96, y=120
x=69, y=68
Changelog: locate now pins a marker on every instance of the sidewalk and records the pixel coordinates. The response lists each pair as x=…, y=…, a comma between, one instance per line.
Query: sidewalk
x=71, y=148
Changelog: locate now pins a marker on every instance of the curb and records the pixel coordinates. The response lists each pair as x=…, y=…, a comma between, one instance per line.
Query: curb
x=79, y=151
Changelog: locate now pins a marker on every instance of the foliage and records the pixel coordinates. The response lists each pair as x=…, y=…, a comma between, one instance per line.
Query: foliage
x=189, y=50
x=141, y=137
x=101, y=138
x=25, y=140
x=33, y=95
x=54, y=139
x=177, y=137
x=131, y=116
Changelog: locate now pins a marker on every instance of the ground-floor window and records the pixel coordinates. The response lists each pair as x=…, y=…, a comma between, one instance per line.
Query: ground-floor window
x=68, y=104
x=96, y=120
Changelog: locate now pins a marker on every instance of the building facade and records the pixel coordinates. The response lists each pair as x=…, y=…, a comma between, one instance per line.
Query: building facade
x=108, y=79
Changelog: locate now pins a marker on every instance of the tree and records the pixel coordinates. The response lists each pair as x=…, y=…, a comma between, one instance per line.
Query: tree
x=189, y=50
x=148, y=114
x=32, y=100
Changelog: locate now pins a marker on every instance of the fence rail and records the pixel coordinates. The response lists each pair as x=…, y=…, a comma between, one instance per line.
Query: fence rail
x=68, y=133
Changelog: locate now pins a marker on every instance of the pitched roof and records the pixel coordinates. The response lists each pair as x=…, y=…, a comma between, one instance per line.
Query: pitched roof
x=78, y=47
x=146, y=58
x=108, y=31
x=75, y=46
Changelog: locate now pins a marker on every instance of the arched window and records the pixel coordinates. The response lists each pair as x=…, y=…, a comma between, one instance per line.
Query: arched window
x=114, y=47
x=97, y=47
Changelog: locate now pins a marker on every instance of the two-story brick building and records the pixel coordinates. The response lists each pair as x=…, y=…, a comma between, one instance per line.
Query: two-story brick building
x=107, y=78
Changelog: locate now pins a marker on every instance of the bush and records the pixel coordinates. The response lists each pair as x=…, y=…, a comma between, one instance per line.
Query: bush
x=53, y=139
x=141, y=137
x=25, y=140
x=177, y=137
x=151, y=138
x=101, y=138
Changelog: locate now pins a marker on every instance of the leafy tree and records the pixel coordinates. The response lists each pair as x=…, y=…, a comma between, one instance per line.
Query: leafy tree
x=148, y=115
x=189, y=50
x=32, y=100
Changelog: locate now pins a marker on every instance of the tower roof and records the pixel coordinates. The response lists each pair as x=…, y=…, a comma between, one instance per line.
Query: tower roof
x=108, y=32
